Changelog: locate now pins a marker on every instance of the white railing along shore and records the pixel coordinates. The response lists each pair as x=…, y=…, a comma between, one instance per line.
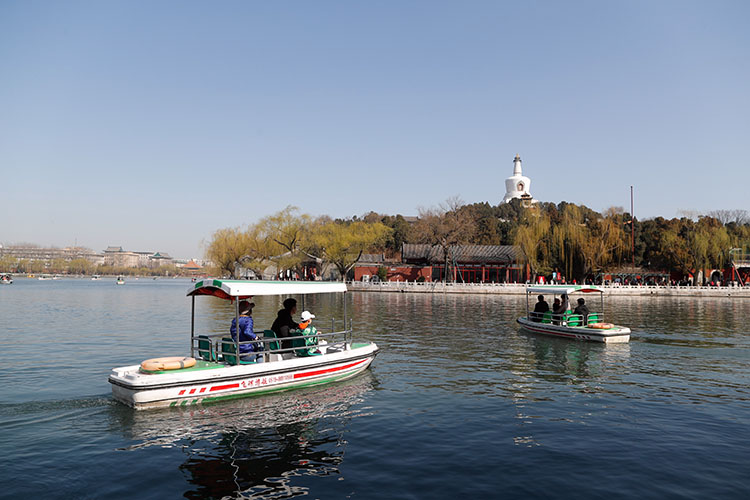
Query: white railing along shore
x=520, y=289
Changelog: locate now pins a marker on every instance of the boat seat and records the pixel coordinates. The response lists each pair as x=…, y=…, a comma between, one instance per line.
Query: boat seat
x=547, y=318
x=272, y=346
x=593, y=318
x=229, y=351
x=206, y=349
x=573, y=319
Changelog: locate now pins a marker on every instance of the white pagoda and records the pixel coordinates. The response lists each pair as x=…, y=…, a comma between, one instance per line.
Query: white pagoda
x=517, y=185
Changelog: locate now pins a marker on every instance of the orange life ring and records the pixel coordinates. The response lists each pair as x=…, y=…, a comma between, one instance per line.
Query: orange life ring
x=171, y=363
x=601, y=326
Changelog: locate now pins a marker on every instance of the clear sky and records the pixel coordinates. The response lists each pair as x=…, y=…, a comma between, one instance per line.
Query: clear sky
x=149, y=125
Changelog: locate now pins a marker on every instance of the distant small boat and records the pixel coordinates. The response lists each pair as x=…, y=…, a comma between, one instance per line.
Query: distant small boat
x=120, y=280
x=96, y=277
x=44, y=277
x=568, y=324
x=6, y=279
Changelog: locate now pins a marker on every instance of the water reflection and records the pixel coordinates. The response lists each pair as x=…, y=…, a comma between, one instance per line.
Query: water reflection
x=255, y=447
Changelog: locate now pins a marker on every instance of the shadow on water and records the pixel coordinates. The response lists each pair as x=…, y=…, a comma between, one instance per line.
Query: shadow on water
x=253, y=447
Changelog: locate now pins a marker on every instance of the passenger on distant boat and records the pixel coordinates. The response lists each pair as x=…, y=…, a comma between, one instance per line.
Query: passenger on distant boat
x=583, y=310
x=540, y=308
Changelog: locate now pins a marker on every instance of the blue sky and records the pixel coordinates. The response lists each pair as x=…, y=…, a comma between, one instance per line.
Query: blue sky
x=149, y=125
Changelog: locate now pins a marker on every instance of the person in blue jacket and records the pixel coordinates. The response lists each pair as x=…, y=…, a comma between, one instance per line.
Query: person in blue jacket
x=248, y=352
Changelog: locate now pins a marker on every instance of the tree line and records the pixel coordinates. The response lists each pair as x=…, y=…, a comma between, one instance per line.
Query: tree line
x=566, y=238
x=81, y=266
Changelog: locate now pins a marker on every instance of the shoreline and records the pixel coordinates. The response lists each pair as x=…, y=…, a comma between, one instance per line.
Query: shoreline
x=520, y=289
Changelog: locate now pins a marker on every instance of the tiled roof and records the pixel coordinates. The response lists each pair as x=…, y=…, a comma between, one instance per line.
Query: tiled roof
x=372, y=258
x=462, y=253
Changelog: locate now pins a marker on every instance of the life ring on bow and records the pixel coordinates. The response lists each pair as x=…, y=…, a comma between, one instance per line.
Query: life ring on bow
x=601, y=326
x=169, y=363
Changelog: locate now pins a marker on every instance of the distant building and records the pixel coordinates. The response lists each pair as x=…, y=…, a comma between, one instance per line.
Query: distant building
x=116, y=256
x=518, y=185
x=47, y=255
x=469, y=264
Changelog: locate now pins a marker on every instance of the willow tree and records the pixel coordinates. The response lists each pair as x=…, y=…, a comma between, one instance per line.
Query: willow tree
x=707, y=244
x=227, y=249
x=260, y=248
x=569, y=236
x=530, y=237
x=342, y=244
x=291, y=233
x=605, y=242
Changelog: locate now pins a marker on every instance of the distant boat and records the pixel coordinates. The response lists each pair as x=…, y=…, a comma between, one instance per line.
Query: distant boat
x=96, y=277
x=44, y=277
x=6, y=279
x=120, y=280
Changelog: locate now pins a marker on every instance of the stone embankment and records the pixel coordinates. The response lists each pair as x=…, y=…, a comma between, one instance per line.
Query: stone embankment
x=520, y=289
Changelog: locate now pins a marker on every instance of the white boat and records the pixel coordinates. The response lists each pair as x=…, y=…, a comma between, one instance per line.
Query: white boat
x=218, y=373
x=569, y=325
x=6, y=279
x=44, y=277
x=120, y=280
x=96, y=277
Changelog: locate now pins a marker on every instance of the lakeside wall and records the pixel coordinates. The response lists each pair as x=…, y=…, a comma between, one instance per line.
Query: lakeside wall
x=520, y=289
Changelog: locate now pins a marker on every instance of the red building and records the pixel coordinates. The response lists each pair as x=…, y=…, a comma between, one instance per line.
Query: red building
x=465, y=263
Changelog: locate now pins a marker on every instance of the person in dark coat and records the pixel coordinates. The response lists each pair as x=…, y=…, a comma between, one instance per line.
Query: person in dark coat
x=284, y=322
x=583, y=310
x=248, y=351
x=540, y=308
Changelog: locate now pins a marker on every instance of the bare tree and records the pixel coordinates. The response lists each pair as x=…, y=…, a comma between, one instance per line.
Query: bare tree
x=737, y=216
x=445, y=226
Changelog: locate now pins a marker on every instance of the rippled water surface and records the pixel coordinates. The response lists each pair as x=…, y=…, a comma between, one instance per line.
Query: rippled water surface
x=458, y=402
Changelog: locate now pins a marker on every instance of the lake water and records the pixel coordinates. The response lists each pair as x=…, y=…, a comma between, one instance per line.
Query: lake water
x=458, y=402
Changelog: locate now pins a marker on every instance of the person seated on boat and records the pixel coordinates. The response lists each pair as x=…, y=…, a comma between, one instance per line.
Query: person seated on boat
x=540, y=308
x=311, y=336
x=557, y=311
x=250, y=351
x=564, y=304
x=583, y=310
x=284, y=322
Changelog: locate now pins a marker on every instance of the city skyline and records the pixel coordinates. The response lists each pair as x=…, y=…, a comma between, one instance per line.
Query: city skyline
x=151, y=126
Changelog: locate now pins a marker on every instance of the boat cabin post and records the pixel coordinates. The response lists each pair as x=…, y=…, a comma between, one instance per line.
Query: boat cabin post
x=192, y=324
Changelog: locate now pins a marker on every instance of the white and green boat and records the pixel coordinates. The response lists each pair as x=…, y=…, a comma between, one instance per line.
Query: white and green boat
x=214, y=371
x=567, y=324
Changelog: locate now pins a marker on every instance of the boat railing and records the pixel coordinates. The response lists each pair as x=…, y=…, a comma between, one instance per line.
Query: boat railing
x=566, y=319
x=215, y=347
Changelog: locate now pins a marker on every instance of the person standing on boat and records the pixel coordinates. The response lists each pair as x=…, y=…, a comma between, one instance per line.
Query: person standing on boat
x=284, y=323
x=540, y=308
x=248, y=352
x=583, y=310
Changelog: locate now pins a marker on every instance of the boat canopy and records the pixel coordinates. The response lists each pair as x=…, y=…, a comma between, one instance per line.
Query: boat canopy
x=563, y=289
x=243, y=289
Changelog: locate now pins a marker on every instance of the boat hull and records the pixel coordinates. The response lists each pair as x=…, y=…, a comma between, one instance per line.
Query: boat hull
x=143, y=390
x=616, y=334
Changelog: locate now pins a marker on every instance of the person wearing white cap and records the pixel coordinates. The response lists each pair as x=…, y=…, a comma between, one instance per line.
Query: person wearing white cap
x=311, y=336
